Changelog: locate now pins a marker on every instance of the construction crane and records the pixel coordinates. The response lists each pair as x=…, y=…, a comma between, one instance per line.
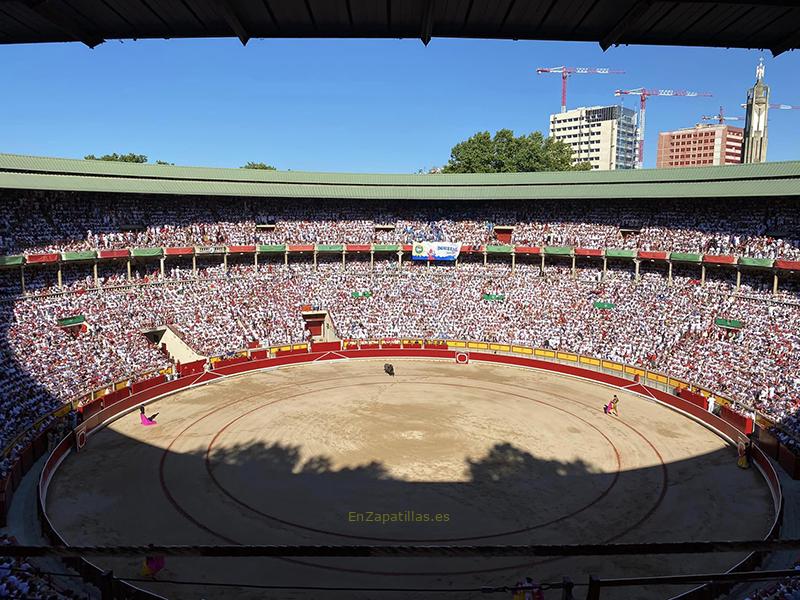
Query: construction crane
x=778, y=106
x=643, y=95
x=567, y=71
x=720, y=116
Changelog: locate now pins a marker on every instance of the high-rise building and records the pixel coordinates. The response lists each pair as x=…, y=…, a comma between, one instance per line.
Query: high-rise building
x=755, y=120
x=604, y=136
x=701, y=145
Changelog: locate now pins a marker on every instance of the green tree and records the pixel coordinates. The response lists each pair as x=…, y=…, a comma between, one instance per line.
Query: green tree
x=130, y=157
x=258, y=165
x=506, y=153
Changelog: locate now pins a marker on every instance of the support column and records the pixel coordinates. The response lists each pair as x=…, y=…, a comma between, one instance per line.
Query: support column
x=399, y=259
x=225, y=262
x=371, y=260
x=315, y=260
x=513, y=262
x=573, y=267
x=702, y=274
x=605, y=269
x=484, y=258
x=344, y=252
x=22, y=278
x=59, y=278
x=637, y=262
x=738, y=279
x=129, y=269
x=775, y=283
x=286, y=258
x=541, y=268
x=669, y=274
x=94, y=271
x=255, y=260
x=162, y=267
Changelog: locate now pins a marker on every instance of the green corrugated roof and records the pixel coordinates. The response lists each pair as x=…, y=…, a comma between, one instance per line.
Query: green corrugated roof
x=386, y=247
x=40, y=173
x=330, y=247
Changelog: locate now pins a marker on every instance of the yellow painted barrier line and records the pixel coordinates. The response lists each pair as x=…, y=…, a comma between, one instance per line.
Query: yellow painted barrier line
x=634, y=370
x=499, y=347
x=566, y=356
x=522, y=349
x=457, y=344
x=612, y=365
x=652, y=377
x=589, y=361
x=548, y=353
x=477, y=345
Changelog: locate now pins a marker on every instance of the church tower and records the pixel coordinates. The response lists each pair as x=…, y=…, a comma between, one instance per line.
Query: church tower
x=754, y=149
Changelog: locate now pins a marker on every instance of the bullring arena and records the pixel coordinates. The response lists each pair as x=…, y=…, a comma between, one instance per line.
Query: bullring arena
x=303, y=454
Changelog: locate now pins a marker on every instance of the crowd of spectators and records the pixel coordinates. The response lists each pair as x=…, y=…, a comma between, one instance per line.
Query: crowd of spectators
x=43, y=222
x=218, y=309
x=668, y=328
x=19, y=579
x=786, y=589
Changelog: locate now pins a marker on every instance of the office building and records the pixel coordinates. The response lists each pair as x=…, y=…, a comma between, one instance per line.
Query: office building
x=604, y=136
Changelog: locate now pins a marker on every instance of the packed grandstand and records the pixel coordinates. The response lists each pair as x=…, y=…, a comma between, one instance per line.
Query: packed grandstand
x=230, y=274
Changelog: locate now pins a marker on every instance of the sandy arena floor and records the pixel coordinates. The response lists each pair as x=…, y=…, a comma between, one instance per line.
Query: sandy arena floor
x=484, y=454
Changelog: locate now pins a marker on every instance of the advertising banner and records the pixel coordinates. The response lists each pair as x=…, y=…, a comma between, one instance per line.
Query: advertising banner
x=435, y=250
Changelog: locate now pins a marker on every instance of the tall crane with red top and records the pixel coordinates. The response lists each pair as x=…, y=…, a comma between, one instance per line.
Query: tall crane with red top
x=567, y=71
x=644, y=94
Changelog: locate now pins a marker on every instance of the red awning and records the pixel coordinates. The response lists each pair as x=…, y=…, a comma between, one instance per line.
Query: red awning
x=178, y=251
x=788, y=265
x=358, y=247
x=301, y=248
x=123, y=253
x=406, y=247
x=721, y=259
x=652, y=255
x=588, y=252
x=242, y=249
x=43, y=258
x=528, y=250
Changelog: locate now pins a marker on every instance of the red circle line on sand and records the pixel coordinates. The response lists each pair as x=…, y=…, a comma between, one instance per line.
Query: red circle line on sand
x=223, y=537
x=251, y=508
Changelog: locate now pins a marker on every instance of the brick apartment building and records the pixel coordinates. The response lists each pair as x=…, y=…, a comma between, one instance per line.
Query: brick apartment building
x=702, y=145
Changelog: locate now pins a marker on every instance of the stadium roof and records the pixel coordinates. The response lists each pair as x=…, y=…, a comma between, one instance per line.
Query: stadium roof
x=71, y=175
x=768, y=24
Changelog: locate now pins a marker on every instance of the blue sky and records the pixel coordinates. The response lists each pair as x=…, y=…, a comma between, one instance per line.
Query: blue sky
x=349, y=105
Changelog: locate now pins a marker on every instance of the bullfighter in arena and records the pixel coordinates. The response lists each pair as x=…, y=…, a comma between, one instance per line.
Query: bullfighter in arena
x=145, y=419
